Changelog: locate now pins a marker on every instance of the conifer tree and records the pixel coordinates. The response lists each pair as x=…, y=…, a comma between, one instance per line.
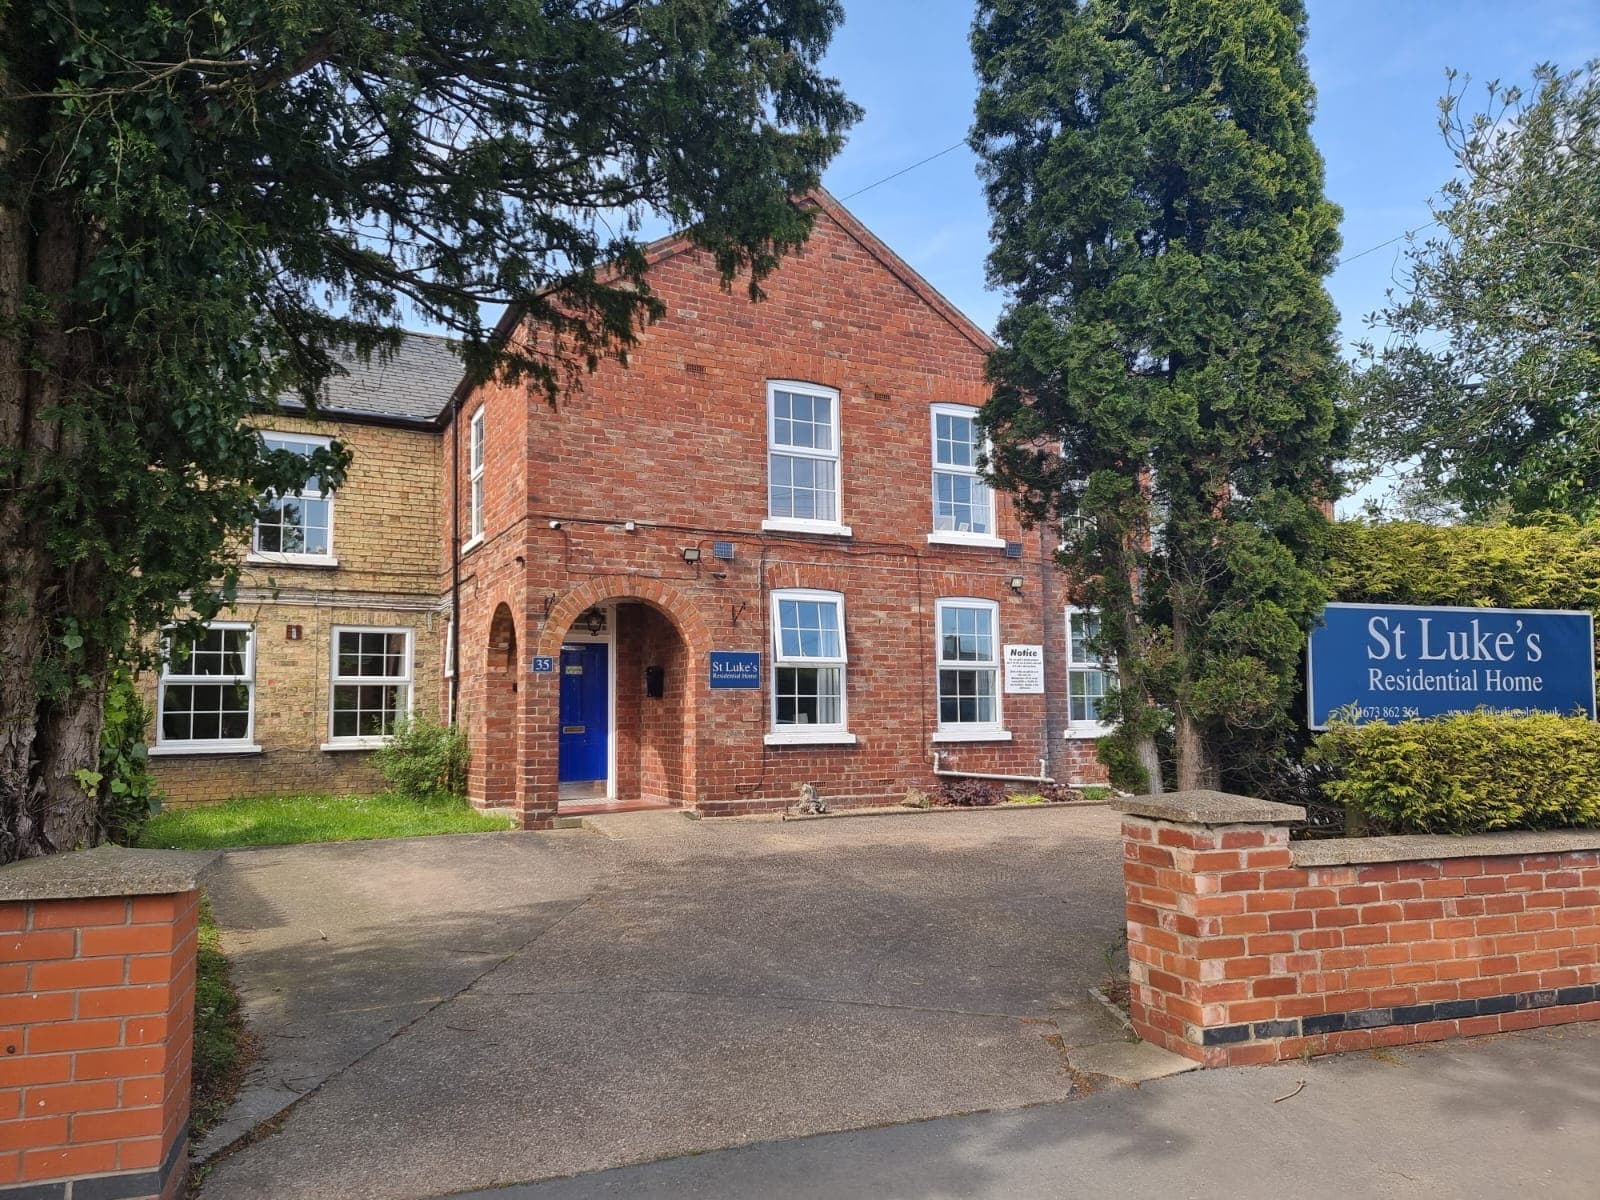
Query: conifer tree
x=1166, y=374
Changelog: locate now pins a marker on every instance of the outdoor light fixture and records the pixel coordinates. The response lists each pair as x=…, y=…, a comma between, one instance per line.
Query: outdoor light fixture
x=555, y=524
x=1016, y=584
x=691, y=554
x=630, y=526
x=594, y=621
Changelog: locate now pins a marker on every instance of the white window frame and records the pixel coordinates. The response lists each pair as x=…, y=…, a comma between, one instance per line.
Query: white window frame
x=477, y=444
x=244, y=745
x=836, y=527
x=956, y=537
x=836, y=733
x=335, y=680
x=289, y=558
x=1083, y=729
x=970, y=731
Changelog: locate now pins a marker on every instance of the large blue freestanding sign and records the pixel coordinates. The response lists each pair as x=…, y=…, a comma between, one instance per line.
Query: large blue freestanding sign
x=1391, y=662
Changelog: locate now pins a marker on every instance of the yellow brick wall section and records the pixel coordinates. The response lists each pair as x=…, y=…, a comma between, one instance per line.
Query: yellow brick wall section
x=387, y=540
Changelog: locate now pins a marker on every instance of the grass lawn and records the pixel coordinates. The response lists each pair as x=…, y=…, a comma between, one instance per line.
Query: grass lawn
x=284, y=820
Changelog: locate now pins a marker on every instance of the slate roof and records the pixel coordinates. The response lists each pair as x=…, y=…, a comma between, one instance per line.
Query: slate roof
x=413, y=384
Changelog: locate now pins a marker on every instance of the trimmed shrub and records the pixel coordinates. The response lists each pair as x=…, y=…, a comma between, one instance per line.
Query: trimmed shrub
x=1472, y=773
x=425, y=760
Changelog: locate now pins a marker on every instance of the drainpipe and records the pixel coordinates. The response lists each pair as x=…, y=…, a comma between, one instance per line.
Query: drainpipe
x=1041, y=777
x=455, y=560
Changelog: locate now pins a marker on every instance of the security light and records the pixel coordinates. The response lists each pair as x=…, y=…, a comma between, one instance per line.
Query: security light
x=1016, y=584
x=691, y=554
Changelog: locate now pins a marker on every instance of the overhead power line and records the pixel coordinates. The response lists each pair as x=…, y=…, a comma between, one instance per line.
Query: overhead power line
x=920, y=163
x=1397, y=237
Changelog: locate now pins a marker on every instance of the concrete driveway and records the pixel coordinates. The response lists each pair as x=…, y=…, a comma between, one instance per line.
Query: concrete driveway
x=444, y=1014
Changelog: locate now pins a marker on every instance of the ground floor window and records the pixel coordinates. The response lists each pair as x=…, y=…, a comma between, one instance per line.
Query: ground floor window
x=809, y=661
x=969, y=665
x=1087, y=674
x=371, y=683
x=207, y=694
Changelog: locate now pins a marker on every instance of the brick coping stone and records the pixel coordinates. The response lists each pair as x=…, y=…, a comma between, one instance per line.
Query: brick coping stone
x=1429, y=847
x=1203, y=807
x=105, y=871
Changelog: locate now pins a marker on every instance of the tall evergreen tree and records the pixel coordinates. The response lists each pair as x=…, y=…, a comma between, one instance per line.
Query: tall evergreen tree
x=1166, y=373
x=201, y=204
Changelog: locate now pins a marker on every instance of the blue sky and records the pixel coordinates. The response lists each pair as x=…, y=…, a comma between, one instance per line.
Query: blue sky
x=1379, y=70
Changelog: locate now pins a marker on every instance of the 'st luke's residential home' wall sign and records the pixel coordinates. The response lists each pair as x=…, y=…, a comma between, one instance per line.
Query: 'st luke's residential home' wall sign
x=1392, y=662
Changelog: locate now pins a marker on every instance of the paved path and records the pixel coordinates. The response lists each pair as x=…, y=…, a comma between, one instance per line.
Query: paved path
x=454, y=1013
x=1504, y=1117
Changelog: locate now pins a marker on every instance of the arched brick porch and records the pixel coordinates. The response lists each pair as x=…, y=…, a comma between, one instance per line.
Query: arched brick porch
x=675, y=771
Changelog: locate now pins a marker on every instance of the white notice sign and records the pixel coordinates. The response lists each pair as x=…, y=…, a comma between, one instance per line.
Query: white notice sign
x=1024, y=670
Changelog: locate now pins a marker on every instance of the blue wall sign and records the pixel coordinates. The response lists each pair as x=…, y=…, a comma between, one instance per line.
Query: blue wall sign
x=736, y=669
x=543, y=665
x=1397, y=661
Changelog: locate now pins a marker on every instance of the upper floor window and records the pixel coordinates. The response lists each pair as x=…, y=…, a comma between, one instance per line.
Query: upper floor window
x=969, y=668
x=809, y=662
x=206, y=698
x=963, y=504
x=803, y=458
x=1087, y=675
x=371, y=684
x=475, y=478
x=298, y=527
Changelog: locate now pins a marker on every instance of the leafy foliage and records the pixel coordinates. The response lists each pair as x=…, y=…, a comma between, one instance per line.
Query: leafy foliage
x=127, y=791
x=1166, y=373
x=1489, y=384
x=203, y=205
x=969, y=793
x=425, y=759
x=1471, y=773
x=1551, y=563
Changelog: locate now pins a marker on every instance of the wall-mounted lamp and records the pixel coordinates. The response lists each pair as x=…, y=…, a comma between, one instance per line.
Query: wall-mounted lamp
x=555, y=524
x=1016, y=584
x=691, y=554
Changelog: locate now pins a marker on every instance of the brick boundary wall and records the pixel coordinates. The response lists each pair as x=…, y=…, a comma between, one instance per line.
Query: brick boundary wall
x=1245, y=947
x=97, y=972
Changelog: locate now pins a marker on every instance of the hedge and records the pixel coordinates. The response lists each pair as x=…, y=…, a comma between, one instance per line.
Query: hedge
x=1554, y=564
x=1471, y=773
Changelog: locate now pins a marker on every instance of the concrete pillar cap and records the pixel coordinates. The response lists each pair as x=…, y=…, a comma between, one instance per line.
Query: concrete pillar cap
x=1204, y=807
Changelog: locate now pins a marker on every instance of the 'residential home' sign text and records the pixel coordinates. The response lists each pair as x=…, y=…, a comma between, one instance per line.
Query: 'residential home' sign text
x=1392, y=662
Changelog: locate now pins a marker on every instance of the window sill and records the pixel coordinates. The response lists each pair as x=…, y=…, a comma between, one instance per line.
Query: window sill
x=972, y=735
x=472, y=543
x=1085, y=733
x=796, y=525
x=174, y=749
x=356, y=744
x=810, y=737
x=268, y=558
x=955, y=538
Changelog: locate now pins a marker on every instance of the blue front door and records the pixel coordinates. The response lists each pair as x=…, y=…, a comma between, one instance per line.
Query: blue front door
x=584, y=715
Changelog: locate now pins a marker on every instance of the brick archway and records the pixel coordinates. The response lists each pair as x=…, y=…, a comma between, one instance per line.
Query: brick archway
x=501, y=749
x=654, y=737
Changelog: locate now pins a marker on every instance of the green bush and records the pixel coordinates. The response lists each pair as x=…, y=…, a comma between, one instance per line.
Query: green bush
x=1471, y=773
x=425, y=760
x=126, y=791
x=1554, y=563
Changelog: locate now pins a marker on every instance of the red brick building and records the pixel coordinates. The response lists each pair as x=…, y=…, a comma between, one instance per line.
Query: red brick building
x=758, y=557
x=784, y=493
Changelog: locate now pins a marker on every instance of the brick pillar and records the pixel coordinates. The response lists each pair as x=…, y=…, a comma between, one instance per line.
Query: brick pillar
x=1200, y=958
x=97, y=971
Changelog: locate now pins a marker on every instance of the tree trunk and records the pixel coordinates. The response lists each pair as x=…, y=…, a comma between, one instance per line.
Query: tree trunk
x=45, y=739
x=1144, y=744
x=1198, y=768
